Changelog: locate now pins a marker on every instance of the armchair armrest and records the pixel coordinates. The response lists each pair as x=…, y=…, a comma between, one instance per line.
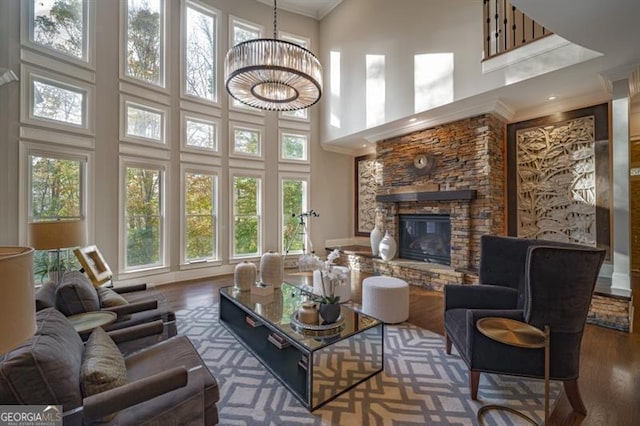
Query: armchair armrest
x=132, y=308
x=473, y=315
x=479, y=296
x=130, y=288
x=102, y=404
x=137, y=331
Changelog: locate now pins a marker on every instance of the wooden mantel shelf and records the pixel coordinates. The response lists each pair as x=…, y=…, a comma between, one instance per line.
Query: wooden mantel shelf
x=459, y=195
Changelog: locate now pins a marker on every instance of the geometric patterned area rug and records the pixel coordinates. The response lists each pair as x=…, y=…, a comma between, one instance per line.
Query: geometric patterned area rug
x=420, y=384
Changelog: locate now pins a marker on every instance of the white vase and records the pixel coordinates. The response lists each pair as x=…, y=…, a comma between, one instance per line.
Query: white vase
x=374, y=238
x=272, y=269
x=244, y=276
x=387, y=247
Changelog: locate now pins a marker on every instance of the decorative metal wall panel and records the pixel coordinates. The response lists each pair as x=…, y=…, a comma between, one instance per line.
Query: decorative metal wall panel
x=557, y=182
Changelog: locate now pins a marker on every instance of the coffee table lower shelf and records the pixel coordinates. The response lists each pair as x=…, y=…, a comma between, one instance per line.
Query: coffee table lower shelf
x=303, y=371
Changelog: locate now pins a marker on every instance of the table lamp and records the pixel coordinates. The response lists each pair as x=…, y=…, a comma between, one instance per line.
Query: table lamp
x=57, y=235
x=17, y=300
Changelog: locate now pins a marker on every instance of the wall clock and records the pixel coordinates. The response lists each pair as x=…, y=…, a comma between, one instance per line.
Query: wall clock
x=424, y=163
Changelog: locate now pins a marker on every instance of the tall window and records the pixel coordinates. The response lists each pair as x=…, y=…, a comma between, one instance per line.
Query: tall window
x=244, y=31
x=200, y=201
x=144, y=33
x=200, y=53
x=294, y=202
x=56, y=188
x=241, y=31
x=56, y=192
x=143, y=217
x=60, y=25
x=299, y=114
x=246, y=215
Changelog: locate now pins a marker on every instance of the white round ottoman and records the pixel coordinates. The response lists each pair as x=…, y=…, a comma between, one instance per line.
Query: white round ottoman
x=386, y=298
x=344, y=291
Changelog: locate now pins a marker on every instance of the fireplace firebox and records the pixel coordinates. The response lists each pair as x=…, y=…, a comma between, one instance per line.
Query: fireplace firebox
x=425, y=237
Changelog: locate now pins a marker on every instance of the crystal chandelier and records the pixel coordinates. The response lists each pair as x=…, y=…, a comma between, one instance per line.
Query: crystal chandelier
x=273, y=74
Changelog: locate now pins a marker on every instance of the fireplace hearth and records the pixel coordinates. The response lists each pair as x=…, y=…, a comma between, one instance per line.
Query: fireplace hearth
x=425, y=237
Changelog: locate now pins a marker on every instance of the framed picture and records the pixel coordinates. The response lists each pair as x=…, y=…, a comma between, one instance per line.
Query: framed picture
x=365, y=191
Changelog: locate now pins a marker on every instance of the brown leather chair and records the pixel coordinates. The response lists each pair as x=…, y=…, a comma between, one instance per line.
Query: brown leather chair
x=167, y=383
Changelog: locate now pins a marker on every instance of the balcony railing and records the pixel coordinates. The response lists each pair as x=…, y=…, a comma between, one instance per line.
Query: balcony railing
x=506, y=28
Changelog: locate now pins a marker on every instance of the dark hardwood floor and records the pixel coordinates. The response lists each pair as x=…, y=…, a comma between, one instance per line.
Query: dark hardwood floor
x=610, y=359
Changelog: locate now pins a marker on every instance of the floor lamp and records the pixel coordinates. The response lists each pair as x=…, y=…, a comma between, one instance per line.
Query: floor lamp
x=57, y=235
x=17, y=307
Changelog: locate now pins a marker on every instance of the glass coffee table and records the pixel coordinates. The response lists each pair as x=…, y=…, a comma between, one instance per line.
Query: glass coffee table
x=315, y=366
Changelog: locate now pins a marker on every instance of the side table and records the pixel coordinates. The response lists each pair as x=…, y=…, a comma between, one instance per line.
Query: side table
x=522, y=335
x=85, y=322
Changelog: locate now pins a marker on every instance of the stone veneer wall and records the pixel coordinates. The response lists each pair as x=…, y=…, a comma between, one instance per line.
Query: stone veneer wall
x=469, y=154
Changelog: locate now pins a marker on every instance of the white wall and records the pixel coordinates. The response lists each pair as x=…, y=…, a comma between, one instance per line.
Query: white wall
x=330, y=173
x=399, y=30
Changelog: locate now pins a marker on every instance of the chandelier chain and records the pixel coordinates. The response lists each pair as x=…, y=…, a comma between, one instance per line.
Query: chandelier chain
x=275, y=20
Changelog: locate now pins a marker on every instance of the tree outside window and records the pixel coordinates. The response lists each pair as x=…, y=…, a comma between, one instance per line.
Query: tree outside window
x=57, y=102
x=56, y=193
x=144, y=47
x=200, y=66
x=294, y=202
x=201, y=134
x=144, y=123
x=246, y=215
x=58, y=25
x=294, y=146
x=143, y=217
x=200, y=218
x=246, y=141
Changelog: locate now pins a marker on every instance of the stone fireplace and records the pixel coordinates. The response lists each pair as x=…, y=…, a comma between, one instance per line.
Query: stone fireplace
x=464, y=179
x=464, y=183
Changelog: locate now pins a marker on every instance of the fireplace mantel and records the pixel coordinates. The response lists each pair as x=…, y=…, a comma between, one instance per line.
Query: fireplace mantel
x=458, y=195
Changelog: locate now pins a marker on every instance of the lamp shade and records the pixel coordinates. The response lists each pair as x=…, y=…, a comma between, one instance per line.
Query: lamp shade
x=57, y=234
x=17, y=299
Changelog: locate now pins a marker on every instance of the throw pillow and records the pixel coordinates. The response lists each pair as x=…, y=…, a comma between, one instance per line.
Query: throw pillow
x=45, y=368
x=109, y=298
x=103, y=365
x=76, y=294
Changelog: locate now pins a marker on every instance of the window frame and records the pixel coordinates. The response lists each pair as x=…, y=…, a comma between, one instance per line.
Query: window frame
x=235, y=125
x=186, y=115
x=234, y=105
x=150, y=106
x=217, y=258
x=215, y=14
x=30, y=75
x=164, y=85
x=233, y=173
x=304, y=42
x=284, y=176
x=87, y=199
x=294, y=132
x=88, y=25
x=163, y=168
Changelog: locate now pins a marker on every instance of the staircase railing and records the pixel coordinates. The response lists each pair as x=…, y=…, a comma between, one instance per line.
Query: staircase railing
x=507, y=28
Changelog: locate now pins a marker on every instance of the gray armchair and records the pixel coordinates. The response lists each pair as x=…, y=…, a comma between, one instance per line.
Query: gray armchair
x=133, y=304
x=534, y=281
x=167, y=383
